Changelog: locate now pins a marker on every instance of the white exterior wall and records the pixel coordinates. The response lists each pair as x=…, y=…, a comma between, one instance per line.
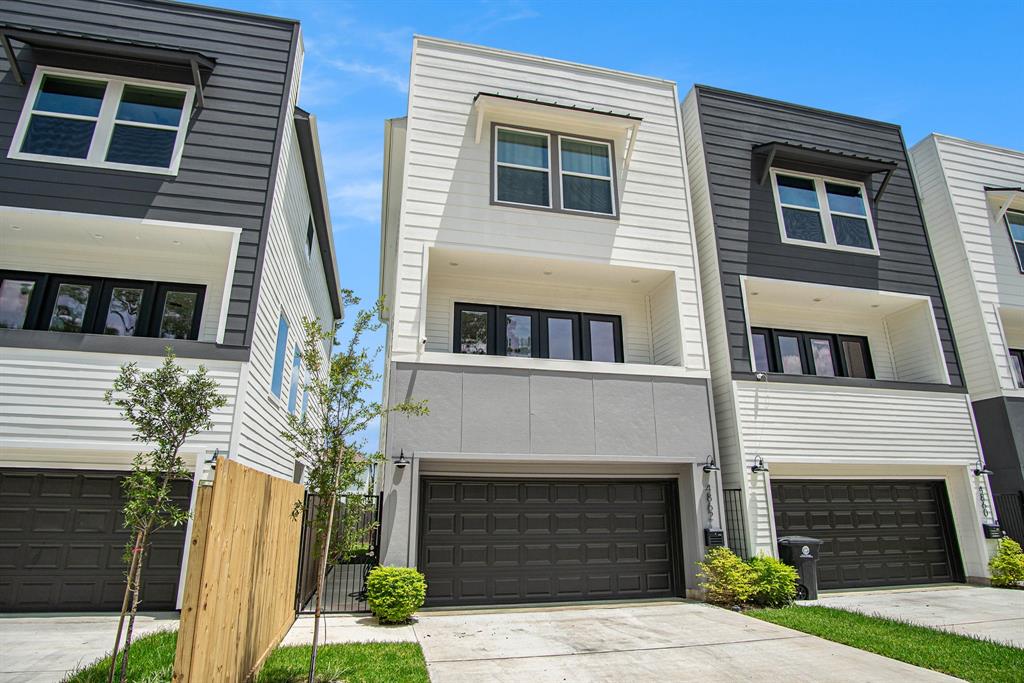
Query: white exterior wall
x=52, y=412
x=974, y=255
x=446, y=175
x=295, y=285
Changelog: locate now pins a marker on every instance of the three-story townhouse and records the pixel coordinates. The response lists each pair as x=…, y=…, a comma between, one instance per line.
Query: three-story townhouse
x=158, y=188
x=541, y=277
x=840, y=403
x=973, y=199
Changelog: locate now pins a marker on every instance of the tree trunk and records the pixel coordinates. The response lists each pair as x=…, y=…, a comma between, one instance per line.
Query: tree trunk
x=136, y=594
x=124, y=608
x=322, y=573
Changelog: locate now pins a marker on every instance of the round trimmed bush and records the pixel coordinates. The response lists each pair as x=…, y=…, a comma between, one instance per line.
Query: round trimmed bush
x=774, y=583
x=395, y=593
x=1007, y=566
x=728, y=579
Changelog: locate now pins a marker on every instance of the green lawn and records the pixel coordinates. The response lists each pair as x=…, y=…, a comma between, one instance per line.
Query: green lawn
x=152, y=658
x=967, y=658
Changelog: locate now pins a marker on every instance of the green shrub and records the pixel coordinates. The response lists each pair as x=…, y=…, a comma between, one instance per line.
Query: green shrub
x=394, y=593
x=728, y=579
x=774, y=582
x=1007, y=566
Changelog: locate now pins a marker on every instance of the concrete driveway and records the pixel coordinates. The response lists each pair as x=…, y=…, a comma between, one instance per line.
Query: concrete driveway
x=981, y=611
x=43, y=648
x=665, y=641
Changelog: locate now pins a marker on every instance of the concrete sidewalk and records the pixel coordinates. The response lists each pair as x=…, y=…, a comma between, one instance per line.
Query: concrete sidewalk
x=43, y=648
x=981, y=611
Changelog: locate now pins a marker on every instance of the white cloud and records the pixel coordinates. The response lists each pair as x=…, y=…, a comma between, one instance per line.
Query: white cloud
x=381, y=74
x=358, y=199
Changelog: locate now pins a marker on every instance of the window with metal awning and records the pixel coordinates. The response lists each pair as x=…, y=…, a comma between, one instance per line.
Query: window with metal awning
x=191, y=66
x=782, y=151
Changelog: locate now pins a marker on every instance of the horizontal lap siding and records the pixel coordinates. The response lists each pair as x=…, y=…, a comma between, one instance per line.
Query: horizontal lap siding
x=51, y=403
x=796, y=422
x=748, y=241
x=225, y=167
x=446, y=193
x=978, y=265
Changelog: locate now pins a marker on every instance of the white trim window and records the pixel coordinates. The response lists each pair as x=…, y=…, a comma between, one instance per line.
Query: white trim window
x=820, y=211
x=1015, y=224
x=523, y=167
x=585, y=167
x=88, y=119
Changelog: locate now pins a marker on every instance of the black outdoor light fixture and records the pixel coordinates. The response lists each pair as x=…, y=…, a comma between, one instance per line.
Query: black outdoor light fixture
x=709, y=464
x=980, y=469
x=401, y=461
x=758, y=465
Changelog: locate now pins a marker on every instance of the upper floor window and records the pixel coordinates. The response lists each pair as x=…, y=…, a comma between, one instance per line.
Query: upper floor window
x=810, y=353
x=277, y=376
x=84, y=304
x=1017, y=367
x=532, y=333
x=823, y=212
x=310, y=234
x=524, y=167
x=1015, y=222
x=92, y=120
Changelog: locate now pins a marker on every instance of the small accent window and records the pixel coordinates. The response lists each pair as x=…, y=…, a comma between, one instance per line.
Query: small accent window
x=277, y=376
x=1015, y=223
x=823, y=212
x=810, y=353
x=310, y=233
x=524, y=166
x=1017, y=366
x=93, y=120
x=123, y=308
x=531, y=333
x=293, y=389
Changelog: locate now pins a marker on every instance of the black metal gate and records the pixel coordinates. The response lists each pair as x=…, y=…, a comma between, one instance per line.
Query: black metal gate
x=357, y=533
x=1010, y=508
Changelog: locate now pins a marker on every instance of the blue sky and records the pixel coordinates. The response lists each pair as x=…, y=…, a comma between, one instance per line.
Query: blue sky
x=950, y=67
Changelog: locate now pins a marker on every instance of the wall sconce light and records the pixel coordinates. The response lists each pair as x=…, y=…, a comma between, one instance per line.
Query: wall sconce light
x=709, y=464
x=758, y=465
x=401, y=461
x=980, y=469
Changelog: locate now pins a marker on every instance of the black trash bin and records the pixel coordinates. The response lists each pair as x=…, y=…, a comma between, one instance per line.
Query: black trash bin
x=802, y=552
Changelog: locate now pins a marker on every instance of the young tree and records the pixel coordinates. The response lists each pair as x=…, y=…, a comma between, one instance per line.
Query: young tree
x=328, y=436
x=165, y=406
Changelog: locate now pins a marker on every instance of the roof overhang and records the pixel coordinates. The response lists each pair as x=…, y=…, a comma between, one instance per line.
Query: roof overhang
x=555, y=115
x=854, y=163
x=313, y=171
x=1003, y=198
x=195, y=62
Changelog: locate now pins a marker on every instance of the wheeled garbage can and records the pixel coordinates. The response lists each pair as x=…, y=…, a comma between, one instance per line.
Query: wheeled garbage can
x=802, y=552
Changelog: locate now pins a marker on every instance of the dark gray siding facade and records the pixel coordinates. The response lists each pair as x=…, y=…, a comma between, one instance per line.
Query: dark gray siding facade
x=746, y=227
x=229, y=159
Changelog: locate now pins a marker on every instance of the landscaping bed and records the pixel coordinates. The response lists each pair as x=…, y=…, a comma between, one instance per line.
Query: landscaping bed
x=968, y=658
x=152, y=659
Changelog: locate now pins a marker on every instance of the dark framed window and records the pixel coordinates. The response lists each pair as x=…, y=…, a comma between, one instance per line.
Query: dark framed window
x=1017, y=366
x=532, y=333
x=1015, y=224
x=95, y=305
x=795, y=352
x=310, y=232
x=553, y=171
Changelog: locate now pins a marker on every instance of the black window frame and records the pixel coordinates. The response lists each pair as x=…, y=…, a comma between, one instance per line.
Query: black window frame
x=496, y=330
x=35, y=302
x=1019, y=355
x=806, y=356
x=44, y=294
x=1013, y=240
x=162, y=290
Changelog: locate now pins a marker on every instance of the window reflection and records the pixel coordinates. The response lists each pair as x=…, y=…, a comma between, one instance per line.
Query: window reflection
x=123, y=313
x=602, y=341
x=69, y=307
x=789, y=353
x=176, y=320
x=560, y=341
x=821, y=354
x=15, y=296
x=473, y=332
x=518, y=335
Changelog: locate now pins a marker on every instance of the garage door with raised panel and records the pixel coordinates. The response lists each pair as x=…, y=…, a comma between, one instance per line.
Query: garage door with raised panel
x=876, y=533
x=509, y=541
x=62, y=542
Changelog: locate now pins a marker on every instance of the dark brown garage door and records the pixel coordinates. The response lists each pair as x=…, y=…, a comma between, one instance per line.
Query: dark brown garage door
x=61, y=544
x=507, y=541
x=876, y=533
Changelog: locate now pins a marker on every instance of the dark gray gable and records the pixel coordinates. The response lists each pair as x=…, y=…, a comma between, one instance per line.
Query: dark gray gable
x=229, y=159
x=746, y=226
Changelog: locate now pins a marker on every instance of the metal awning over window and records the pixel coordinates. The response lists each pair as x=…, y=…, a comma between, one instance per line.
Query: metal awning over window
x=856, y=163
x=198, y=64
x=1002, y=198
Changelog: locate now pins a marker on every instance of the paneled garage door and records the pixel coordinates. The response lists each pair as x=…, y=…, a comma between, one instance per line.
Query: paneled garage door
x=876, y=533
x=61, y=544
x=509, y=541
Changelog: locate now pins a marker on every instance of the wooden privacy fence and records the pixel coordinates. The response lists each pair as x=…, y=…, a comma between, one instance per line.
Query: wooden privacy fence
x=239, y=598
